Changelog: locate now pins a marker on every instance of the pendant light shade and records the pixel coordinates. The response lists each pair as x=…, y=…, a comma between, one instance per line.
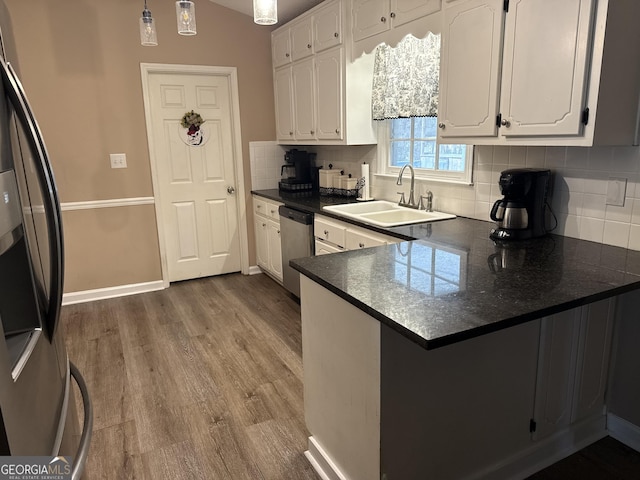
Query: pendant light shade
x=186, y=14
x=148, y=36
x=265, y=12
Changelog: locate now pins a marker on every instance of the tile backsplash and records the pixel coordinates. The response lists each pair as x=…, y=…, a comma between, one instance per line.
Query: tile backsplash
x=266, y=161
x=578, y=193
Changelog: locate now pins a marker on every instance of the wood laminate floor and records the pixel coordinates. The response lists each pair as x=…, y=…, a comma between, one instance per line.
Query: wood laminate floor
x=203, y=380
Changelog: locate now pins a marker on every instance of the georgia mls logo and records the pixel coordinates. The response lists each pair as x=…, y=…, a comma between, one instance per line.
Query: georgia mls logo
x=35, y=468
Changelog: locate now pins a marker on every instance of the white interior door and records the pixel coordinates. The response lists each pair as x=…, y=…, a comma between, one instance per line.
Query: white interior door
x=195, y=184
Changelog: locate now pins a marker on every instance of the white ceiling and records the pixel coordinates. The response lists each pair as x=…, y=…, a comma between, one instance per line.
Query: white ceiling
x=287, y=9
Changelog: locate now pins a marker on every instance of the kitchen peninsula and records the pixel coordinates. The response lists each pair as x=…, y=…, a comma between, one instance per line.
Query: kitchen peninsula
x=453, y=357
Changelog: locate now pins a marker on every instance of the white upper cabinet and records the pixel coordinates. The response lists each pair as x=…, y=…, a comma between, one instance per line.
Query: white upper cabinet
x=388, y=21
x=320, y=97
x=327, y=27
x=281, y=48
x=538, y=72
x=370, y=17
x=470, y=68
x=546, y=46
x=301, y=39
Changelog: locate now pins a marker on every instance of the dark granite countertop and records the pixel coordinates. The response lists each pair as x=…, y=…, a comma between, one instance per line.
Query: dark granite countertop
x=455, y=283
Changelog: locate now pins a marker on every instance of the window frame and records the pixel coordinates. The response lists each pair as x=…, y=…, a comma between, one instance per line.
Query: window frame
x=385, y=168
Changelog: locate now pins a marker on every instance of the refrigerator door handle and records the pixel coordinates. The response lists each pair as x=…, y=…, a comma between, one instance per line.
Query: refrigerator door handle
x=18, y=98
x=87, y=425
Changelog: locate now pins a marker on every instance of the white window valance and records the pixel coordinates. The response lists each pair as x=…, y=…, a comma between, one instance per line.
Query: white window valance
x=405, y=78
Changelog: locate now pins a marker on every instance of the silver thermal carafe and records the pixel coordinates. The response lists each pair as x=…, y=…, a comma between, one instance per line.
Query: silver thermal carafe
x=520, y=214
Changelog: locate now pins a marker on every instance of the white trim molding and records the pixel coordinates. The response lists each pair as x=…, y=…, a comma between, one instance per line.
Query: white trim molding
x=624, y=431
x=114, y=202
x=111, y=292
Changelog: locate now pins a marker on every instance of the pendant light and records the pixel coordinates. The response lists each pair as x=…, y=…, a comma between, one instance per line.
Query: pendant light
x=186, y=13
x=265, y=12
x=148, y=36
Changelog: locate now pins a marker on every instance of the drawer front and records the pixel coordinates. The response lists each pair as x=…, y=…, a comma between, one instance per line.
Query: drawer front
x=356, y=240
x=259, y=206
x=324, y=248
x=329, y=231
x=272, y=210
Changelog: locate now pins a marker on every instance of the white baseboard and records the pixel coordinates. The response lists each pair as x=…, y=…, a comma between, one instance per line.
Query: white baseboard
x=254, y=270
x=111, y=292
x=624, y=431
x=322, y=463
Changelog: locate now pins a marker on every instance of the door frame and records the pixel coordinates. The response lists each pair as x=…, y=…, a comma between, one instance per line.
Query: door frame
x=148, y=69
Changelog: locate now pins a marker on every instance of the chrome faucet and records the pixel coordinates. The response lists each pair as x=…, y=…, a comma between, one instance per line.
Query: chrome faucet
x=411, y=203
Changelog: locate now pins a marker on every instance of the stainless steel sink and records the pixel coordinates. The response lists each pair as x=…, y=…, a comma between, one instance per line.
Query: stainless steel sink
x=386, y=214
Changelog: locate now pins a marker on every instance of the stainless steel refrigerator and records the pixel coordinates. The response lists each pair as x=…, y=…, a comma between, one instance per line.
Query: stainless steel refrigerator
x=37, y=410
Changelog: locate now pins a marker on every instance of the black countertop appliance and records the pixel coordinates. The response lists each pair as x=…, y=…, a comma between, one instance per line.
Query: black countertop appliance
x=298, y=172
x=520, y=214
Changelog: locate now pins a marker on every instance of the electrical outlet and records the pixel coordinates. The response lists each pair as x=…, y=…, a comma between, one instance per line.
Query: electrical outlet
x=118, y=160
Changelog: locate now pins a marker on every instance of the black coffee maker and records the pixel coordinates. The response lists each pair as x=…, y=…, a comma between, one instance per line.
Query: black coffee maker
x=298, y=171
x=520, y=215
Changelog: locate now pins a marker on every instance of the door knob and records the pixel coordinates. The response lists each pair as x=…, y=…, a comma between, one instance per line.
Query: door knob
x=231, y=190
x=505, y=123
x=441, y=125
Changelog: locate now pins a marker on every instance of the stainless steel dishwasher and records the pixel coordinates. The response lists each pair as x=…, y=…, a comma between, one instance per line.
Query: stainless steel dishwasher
x=296, y=239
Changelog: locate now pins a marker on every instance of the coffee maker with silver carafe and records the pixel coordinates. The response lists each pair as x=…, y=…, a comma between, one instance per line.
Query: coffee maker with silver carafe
x=520, y=214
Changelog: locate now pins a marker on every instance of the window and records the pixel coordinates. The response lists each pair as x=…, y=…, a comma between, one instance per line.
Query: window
x=414, y=141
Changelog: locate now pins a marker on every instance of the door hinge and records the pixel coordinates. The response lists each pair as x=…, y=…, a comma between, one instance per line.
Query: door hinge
x=498, y=120
x=505, y=5
x=532, y=425
x=585, y=116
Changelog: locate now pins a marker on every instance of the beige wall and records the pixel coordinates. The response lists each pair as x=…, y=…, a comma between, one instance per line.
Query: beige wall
x=80, y=64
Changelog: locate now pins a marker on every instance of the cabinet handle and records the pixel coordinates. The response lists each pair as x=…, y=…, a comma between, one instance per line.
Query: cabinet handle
x=361, y=245
x=392, y=14
x=505, y=123
x=308, y=45
x=264, y=224
x=338, y=131
x=258, y=207
x=441, y=125
x=278, y=232
x=383, y=19
x=326, y=233
x=336, y=34
x=287, y=55
x=272, y=212
x=290, y=133
x=312, y=132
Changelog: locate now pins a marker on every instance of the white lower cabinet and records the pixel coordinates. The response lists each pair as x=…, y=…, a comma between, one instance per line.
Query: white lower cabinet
x=267, y=228
x=333, y=236
x=573, y=365
x=379, y=406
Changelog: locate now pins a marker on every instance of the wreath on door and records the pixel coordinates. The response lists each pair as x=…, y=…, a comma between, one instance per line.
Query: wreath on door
x=192, y=132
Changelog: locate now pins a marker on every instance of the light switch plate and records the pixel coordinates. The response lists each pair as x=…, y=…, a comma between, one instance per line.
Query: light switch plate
x=118, y=160
x=616, y=191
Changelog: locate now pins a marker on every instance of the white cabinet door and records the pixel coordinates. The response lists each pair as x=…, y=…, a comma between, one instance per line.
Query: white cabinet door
x=284, y=103
x=470, y=66
x=556, y=371
x=404, y=11
x=327, y=27
x=370, y=17
x=593, y=359
x=262, y=242
x=303, y=103
x=275, y=249
x=301, y=39
x=281, y=48
x=546, y=52
x=329, y=94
